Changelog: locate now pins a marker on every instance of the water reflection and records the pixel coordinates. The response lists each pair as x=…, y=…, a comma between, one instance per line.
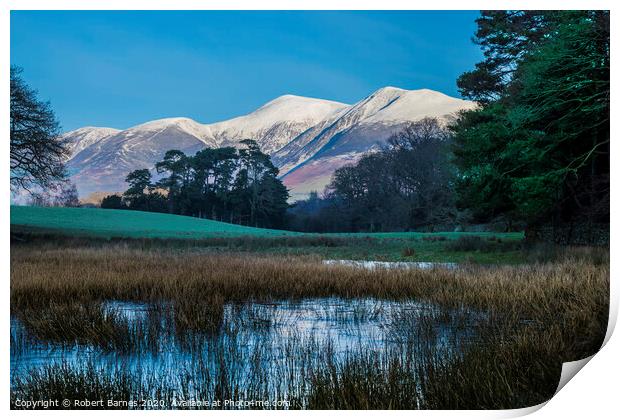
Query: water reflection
x=271, y=343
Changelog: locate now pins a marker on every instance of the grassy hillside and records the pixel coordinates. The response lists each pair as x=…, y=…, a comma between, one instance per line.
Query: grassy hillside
x=139, y=224
x=125, y=223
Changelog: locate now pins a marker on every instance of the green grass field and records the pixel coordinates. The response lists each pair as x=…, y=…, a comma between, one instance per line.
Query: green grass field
x=100, y=225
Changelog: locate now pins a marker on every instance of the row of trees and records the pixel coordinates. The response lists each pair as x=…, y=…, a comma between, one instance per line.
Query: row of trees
x=237, y=186
x=408, y=185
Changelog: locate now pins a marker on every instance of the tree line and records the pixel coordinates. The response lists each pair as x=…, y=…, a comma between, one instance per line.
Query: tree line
x=227, y=184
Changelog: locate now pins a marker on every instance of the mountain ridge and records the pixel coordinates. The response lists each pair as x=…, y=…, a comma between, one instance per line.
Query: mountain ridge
x=307, y=138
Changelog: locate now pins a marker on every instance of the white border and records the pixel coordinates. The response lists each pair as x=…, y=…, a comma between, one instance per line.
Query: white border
x=592, y=394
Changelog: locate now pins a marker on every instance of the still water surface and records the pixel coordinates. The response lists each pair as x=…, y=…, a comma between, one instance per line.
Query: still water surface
x=278, y=340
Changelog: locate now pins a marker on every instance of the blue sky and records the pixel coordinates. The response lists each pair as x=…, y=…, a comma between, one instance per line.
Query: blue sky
x=119, y=69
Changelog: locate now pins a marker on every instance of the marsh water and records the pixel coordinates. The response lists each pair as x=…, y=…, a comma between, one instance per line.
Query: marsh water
x=372, y=265
x=272, y=345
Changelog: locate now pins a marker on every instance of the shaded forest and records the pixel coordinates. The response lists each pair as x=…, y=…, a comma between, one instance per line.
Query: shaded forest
x=408, y=185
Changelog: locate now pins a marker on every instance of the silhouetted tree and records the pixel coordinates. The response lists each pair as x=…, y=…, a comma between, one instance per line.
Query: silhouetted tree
x=213, y=171
x=263, y=194
x=37, y=153
x=141, y=194
x=407, y=185
x=177, y=165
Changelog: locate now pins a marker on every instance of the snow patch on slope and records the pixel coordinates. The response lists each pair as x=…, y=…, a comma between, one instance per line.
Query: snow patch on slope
x=80, y=139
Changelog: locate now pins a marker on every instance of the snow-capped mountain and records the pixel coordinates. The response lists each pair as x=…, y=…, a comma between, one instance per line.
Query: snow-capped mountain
x=308, y=161
x=307, y=138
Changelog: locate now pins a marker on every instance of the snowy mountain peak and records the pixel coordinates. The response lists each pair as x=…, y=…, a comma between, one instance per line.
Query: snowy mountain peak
x=93, y=129
x=388, y=90
x=394, y=104
x=178, y=124
x=163, y=123
x=287, y=108
x=275, y=123
x=309, y=160
x=289, y=97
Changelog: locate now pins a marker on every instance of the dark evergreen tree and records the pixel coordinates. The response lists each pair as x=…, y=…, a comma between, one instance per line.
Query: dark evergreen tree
x=213, y=171
x=271, y=202
x=141, y=194
x=177, y=165
x=537, y=149
x=261, y=192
